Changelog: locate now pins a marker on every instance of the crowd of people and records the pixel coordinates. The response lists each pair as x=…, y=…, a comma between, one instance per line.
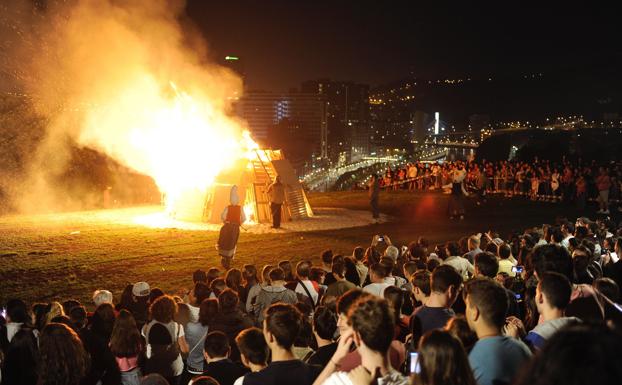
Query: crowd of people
x=535, y=307
x=565, y=181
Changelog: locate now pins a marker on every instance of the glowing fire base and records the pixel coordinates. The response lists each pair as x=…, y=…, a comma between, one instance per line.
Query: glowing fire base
x=252, y=176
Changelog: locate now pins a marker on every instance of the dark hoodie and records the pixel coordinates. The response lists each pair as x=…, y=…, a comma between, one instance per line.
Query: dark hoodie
x=231, y=322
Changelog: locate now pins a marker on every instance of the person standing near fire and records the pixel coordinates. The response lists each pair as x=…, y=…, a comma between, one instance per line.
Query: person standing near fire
x=233, y=217
x=276, y=192
x=374, y=193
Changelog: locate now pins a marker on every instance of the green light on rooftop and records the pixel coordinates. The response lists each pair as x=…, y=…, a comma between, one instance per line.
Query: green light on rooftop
x=232, y=58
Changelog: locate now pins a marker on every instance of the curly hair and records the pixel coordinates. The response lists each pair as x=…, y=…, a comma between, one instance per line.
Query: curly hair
x=64, y=361
x=163, y=309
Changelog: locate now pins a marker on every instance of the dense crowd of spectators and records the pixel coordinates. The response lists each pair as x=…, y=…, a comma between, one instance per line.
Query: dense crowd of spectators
x=537, y=307
x=566, y=181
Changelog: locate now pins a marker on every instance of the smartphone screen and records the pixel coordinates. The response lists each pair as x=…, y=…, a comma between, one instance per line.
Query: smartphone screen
x=415, y=368
x=517, y=269
x=3, y=313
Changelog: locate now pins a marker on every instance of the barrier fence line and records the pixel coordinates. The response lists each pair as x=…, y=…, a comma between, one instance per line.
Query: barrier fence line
x=508, y=193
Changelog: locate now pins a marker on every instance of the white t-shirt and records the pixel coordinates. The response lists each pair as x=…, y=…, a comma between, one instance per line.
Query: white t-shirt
x=176, y=331
x=310, y=288
x=462, y=265
x=376, y=289
x=194, y=313
x=396, y=281
x=12, y=328
x=505, y=266
x=392, y=378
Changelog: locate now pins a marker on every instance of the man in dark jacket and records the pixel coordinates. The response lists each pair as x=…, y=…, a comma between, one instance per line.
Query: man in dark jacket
x=219, y=366
x=230, y=320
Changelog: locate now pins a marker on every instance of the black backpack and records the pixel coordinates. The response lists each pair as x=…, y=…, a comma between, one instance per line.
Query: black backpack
x=162, y=357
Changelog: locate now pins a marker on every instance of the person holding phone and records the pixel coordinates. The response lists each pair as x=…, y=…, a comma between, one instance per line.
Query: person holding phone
x=441, y=360
x=374, y=193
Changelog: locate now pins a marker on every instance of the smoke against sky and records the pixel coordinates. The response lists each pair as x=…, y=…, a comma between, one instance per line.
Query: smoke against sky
x=124, y=78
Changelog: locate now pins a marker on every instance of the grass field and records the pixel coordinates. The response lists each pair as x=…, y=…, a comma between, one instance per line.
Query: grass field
x=50, y=257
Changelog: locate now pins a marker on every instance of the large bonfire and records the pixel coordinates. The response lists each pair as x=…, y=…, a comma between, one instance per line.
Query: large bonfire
x=126, y=79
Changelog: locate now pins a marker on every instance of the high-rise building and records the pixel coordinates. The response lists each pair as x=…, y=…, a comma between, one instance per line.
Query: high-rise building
x=347, y=110
x=294, y=122
x=260, y=111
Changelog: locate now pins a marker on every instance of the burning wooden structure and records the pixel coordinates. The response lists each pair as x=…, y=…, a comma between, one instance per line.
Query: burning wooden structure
x=252, y=176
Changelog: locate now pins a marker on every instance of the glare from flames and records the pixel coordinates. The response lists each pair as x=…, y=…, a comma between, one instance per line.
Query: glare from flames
x=182, y=141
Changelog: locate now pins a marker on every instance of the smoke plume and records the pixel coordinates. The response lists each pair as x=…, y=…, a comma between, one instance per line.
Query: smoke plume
x=131, y=79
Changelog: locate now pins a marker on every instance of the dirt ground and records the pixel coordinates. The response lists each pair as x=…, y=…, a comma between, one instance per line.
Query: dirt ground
x=68, y=255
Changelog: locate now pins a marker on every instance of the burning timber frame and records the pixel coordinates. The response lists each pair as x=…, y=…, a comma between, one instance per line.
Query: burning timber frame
x=252, y=176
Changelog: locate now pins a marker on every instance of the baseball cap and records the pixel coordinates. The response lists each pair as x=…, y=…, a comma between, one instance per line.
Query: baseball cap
x=141, y=289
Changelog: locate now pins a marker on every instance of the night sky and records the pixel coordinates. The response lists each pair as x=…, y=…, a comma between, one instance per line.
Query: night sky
x=285, y=42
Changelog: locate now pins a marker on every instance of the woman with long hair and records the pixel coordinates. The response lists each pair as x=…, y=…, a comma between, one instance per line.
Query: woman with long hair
x=195, y=336
x=127, y=347
x=395, y=297
x=442, y=361
x=102, y=321
x=233, y=280
x=63, y=358
x=249, y=273
x=162, y=313
x=54, y=309
x=127, y=299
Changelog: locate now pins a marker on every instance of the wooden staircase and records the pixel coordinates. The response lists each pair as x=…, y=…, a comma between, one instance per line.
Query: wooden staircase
x=266, y=166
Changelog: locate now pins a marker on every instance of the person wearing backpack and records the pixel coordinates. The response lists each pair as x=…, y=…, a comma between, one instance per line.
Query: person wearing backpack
x=275, y=292
x=165, y=340
x=306, y=290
